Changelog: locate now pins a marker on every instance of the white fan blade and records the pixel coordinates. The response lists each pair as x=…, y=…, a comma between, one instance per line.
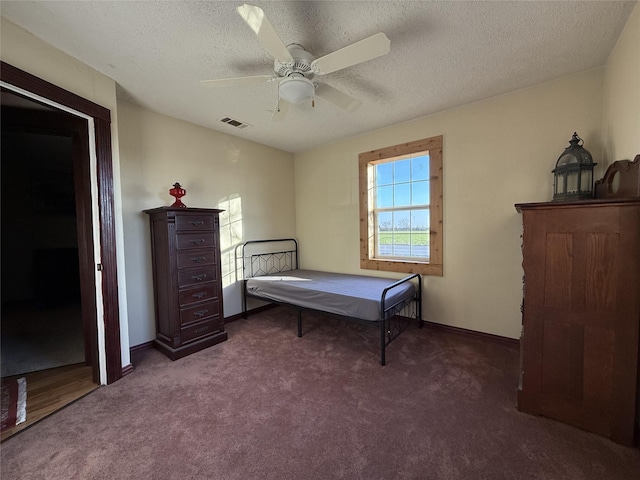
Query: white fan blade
x=260, y=24
x=367, y=49
x=338, y=98
x=238, y=81
x=282, y=107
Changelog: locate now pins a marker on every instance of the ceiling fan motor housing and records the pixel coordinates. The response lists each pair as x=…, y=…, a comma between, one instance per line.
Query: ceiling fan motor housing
x=301, y=63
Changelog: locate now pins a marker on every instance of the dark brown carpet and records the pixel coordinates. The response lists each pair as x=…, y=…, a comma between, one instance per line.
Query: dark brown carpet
x=268, y=405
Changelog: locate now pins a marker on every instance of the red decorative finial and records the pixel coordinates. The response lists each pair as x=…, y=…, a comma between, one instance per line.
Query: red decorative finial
x=178, y=192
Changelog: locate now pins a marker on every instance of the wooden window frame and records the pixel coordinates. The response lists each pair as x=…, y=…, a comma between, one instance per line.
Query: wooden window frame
x=368, y=260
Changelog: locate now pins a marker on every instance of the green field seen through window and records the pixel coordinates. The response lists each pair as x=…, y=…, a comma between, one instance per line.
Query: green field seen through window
x=402, y=238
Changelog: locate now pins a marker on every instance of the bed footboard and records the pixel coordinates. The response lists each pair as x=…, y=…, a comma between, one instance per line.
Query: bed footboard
x=393, y=316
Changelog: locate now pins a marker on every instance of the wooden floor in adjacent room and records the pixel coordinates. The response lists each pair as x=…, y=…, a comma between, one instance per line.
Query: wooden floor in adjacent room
x=50, y=390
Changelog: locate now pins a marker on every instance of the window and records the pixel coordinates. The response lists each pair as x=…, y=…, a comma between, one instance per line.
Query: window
x=401, y=208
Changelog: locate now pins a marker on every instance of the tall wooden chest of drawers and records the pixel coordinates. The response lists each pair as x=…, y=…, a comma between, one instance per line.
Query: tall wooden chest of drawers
x=185, y=246
x=581, y=314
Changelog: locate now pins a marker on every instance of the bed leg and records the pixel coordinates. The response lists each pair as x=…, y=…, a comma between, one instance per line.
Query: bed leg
x=299, y=322
x=382, y=342
x=419, y=302
x=244, y=299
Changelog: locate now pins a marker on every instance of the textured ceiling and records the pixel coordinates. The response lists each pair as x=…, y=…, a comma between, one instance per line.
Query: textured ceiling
x=443, y=54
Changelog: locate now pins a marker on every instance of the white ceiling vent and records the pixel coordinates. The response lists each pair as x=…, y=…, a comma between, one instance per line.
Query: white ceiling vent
x=234, y=123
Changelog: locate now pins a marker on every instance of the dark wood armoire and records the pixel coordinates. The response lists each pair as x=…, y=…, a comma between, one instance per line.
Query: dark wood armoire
x=581, y=314
x=185, y=246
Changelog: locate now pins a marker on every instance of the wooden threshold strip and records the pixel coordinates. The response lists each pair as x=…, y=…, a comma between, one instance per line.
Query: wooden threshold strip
x=50, y=390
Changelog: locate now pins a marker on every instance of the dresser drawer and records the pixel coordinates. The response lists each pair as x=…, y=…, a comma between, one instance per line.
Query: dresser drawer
x=199, y=330
x=193, y=276
x=195, y=240
x=193, y=222
x=197, y=294
x=199, y=313
x=193, y=259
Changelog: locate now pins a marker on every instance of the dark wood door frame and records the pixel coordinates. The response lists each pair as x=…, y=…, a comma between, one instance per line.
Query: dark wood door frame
x=102, y=131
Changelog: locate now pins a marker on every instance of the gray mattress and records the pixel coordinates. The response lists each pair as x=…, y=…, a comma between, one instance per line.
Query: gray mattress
x=349, y=295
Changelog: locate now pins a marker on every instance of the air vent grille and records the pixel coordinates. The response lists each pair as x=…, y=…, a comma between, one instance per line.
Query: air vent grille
x=234, y=123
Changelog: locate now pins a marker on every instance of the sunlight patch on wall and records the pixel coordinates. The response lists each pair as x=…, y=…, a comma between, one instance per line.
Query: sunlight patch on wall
x=230, y=236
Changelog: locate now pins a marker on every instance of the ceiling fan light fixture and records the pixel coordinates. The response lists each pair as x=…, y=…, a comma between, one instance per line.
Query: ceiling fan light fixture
x=296, y=89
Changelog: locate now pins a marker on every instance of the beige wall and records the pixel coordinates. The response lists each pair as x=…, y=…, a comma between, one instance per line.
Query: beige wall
x=27, y=52
x=621, y=101
x=497, y=152
x=252, y=182
x=22, y=50
x=621, y=112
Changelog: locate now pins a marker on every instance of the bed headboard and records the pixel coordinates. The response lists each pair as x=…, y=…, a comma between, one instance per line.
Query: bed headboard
x=262, y=257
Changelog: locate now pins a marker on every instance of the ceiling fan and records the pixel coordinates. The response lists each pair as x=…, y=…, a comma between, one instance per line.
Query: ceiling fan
x=295, y=69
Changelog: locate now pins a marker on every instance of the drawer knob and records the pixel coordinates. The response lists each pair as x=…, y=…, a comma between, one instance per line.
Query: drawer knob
x=197, y=241
x=199, y=295
x=201, y=313
x=198, y=259
x=199, y=278
x=196, y=223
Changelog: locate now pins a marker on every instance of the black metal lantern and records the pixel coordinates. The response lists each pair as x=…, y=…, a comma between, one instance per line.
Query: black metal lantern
x=573, y=175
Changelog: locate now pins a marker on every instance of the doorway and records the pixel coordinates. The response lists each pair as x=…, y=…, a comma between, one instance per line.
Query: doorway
x=41, y=309
x=48, y=305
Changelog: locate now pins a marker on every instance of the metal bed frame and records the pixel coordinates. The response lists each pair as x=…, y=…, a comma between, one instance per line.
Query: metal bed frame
x=393, y=317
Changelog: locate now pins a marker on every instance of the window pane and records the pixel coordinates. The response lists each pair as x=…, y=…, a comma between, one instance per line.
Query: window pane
x=401, y=233
x=420, y=233
x=420, y=245
x=420, y=193
x=420, y=220
x=402, y=195
x=401, y=225
x=401, y=220
x=420, y=168
x=384, y=235
x=402, y=171
x=401, y=247
x=385, y=221
x=384, y=173
x=384, y=197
